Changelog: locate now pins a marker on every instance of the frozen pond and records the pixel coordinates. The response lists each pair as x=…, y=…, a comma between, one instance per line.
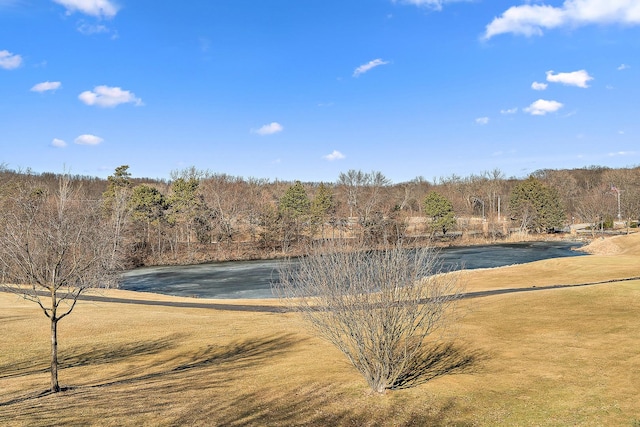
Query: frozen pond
x=252, y=279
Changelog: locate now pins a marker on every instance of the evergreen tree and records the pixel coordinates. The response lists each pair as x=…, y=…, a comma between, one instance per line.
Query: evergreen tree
x=535, y=206
x=293, y=208
x=295, y=202
x=118, y=188
x=148, y=206
x=322, y=206
x=440, y=210
x=184, y=196
x=187, y=208
x=147, y=203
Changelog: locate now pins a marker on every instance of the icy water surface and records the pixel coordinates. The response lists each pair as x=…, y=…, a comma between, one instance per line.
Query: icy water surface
x=252, y=279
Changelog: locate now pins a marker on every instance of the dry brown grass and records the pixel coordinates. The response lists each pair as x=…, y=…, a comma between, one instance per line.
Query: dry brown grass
x=550, y=357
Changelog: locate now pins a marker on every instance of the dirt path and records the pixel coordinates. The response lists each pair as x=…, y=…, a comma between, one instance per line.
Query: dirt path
x=280, y=309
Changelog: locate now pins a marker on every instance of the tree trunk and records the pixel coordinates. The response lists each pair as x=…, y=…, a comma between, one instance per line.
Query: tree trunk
x=55, y=387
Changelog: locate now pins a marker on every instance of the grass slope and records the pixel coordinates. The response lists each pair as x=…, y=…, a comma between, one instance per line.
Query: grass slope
x=551, y=357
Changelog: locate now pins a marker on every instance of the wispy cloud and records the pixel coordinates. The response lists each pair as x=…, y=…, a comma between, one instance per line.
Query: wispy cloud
x=531, y=19
x=270, y=129
x=335, y=155
x=9, y=61
x=105, y=96
x=622, y=154
x=46, y=86
x=431, y=4
x=509, y=111
x=538, y=86
x=88, y=139
x=578, y=78
x=482, y=120
x=9, y=3
x=58, y=143
x=90, y=29
x=368, y=66
x=96, y=8
x=205, y=44
x=623, y=67
x=542, y=107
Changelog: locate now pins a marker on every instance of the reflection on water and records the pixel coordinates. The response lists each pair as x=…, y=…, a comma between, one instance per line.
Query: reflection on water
x=252, y=279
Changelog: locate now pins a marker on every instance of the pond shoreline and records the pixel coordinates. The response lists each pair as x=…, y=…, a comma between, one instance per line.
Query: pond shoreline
x=454, y=241
x=252, y=279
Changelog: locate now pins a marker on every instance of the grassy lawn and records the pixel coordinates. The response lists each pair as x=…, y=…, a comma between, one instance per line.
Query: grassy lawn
x=551, y=357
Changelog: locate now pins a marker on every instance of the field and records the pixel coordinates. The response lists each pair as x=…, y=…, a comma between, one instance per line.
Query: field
x=552, y=357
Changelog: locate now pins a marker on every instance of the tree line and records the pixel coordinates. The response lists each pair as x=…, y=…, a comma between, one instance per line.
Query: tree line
x=199, y=216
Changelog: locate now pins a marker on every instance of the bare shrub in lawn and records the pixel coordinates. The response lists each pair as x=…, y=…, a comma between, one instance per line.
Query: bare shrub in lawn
x=376, y=306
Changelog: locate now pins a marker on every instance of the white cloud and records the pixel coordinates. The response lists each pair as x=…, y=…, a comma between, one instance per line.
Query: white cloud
x=623, y=67
x=58, y=143
x=46, y=86
x=368, y=66
x=542, y=107
x=97, y=8
x=482, y=120
x=105, y=96
x=336, y=155
x=531, y=19
x=432, y=4
x=9, y=60
x=270, y=129
x=89, y=29
x=622, y=154
x=509, y=111
x=574, y=78
x=538, y=86
x=88, y=139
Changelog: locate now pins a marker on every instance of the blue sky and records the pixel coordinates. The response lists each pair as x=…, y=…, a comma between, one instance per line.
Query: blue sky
x=306, y=89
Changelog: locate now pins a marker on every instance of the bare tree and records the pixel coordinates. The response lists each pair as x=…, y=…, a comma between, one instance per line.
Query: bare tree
x=596, y=205
x=352, y=182
x=52, y=249
x=377, y=307
x=364, y=193
x=225, y=196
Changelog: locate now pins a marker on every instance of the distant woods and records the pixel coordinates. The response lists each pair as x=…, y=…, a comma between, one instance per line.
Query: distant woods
x=199, y=216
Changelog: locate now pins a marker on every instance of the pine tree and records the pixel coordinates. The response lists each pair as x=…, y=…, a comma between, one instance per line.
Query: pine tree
x=535, y=206
x=322, y=206
x=440, y=210
x=295, y=202
x=294, y=207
